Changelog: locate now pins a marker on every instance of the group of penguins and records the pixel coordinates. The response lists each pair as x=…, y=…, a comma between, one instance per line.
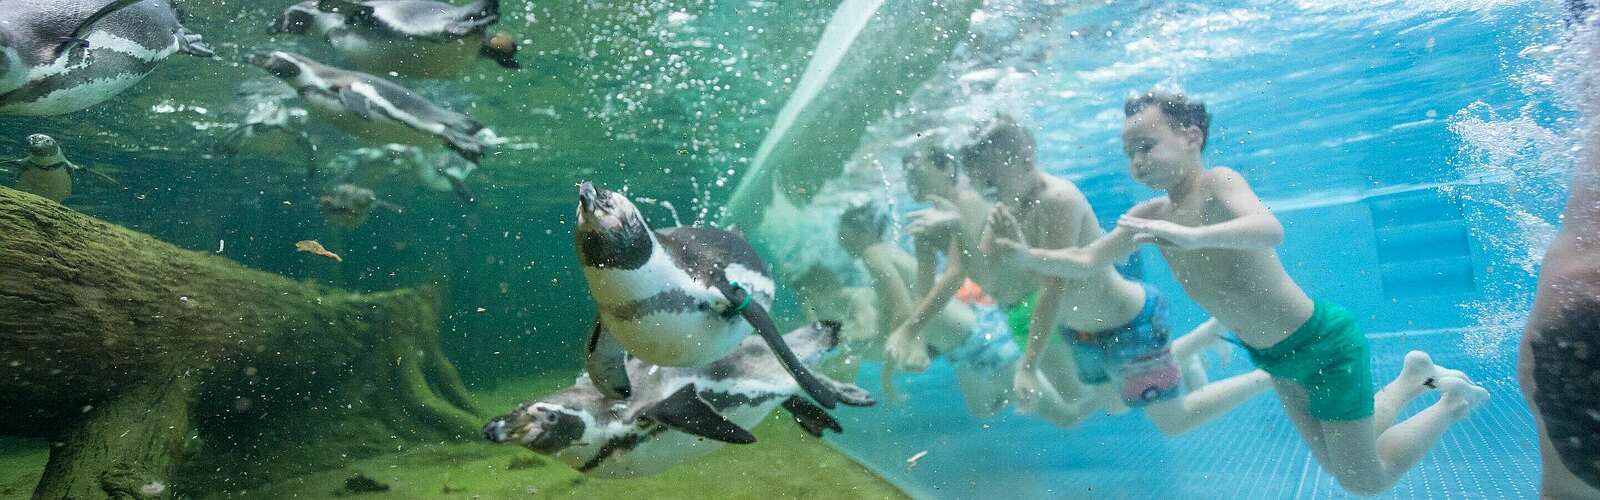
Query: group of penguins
x=62, y=56
x=672, y=370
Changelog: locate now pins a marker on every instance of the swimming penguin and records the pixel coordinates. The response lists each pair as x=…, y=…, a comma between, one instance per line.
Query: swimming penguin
x=60, y=56
x=376, y=110
x=271, y=130
x=409, y=38
x=671, y=409
x=348, y=205
x=46, y=171
x=683, y=296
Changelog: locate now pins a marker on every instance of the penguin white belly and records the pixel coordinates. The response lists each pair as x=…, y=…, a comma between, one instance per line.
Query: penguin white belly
x=672, y=336
x=106, y=79
x=378, y=130
x=405, y=57
x=680, y=339
x=55, y=185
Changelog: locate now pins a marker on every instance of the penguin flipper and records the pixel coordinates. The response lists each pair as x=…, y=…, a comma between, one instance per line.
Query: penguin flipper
x=76, y=39
x=97, y=174
x=460, y=186
x=823, y=393
x=607, y=364
x=355, y=102
x=813, y=419
x=685, y=411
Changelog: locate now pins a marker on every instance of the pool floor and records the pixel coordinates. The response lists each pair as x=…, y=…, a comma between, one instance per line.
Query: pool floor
x=1252, y=452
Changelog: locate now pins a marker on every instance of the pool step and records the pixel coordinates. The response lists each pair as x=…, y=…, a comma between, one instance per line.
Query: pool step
x=1424, y=245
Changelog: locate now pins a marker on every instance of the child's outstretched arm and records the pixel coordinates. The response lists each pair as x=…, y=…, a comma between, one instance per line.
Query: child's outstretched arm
x=1250, y=227
x=1078, y=261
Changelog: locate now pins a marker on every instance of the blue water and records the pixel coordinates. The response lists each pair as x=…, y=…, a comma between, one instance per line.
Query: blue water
x=1413, y=151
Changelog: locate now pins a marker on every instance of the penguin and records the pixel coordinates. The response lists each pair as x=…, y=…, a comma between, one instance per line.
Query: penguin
x=46, y=171
x=684, y=296
x=377, y=110
x=348, y=206
x=674, y=414
x=61, y=56
x=408, y=38
x=271, y=130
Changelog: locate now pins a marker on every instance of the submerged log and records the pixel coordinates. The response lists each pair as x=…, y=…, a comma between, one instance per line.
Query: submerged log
x=130, y=354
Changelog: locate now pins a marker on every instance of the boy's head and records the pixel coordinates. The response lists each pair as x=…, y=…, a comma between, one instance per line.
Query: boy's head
x=860, y=227
x=1002, y=159
x=1163, y=136
x=931, y=172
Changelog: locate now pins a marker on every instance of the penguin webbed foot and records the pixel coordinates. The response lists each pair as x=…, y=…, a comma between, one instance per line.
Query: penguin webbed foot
x=607, y=364
x=812, y=419
x=191, y=43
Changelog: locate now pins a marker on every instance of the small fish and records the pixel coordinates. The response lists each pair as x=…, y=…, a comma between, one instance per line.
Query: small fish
x=912, y=462
x=314, y=248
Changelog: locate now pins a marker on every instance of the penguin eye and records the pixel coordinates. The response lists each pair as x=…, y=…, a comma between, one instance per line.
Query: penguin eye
x=550, y=418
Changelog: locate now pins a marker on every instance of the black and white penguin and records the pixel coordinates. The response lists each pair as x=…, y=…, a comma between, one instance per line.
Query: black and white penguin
x=46, y=171
x=60, y=56
x=272, y=130
x=376, y=110
x=409, y=38
x=674, y=414
x=683, y=296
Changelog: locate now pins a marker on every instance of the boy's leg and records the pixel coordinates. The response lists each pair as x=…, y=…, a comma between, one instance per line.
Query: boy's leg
x=1186, y=351
x=1367, y=463
x=1417, y=371
x=1297, y=405
x=1176, y=416
x=984, y=391
x=1063, y=399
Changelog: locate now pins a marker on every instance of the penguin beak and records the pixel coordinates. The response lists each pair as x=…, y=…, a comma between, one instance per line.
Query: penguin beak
x=259, y=59
x=587, y=196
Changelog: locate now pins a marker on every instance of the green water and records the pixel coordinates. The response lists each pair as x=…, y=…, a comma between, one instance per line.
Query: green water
x=612, y=92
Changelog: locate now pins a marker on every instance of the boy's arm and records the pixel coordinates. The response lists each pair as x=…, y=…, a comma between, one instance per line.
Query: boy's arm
x=886, y=282
x=1073, y=262
x=1250, y=227
x=939, y=295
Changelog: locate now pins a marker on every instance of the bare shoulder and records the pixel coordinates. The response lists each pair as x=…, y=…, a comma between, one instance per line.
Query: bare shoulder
x=1063, y=198
x=1223, y=179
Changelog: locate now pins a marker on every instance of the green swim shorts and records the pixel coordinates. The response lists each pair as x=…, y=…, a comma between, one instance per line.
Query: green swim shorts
x=1018, y=317
x=1329, y=356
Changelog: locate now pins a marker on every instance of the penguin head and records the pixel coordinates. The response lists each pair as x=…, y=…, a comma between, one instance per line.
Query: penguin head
x=283, y=65
x=544, y=426
x=42, y=145
x=611, y=231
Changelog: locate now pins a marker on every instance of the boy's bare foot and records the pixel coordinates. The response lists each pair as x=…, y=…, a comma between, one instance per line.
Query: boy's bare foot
x=1462, y=395
x=1419, y=369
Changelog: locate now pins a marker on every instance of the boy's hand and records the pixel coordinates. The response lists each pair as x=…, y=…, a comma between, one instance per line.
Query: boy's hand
x=1009, y=249
x=940, y=218
x=906, y=351
x=1001, y=225
x=1165, y=233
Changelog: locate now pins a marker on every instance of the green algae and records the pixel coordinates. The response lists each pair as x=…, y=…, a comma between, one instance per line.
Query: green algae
x=785, y=463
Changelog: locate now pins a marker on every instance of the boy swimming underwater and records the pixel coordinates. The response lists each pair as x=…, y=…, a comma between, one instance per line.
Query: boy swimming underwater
x=1121, y=349
x=1219, y=239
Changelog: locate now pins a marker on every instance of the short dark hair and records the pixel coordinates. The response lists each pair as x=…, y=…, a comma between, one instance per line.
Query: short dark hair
x=1005, y=134
x=1180, y=111
x=940, y=158
x=866, y=218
